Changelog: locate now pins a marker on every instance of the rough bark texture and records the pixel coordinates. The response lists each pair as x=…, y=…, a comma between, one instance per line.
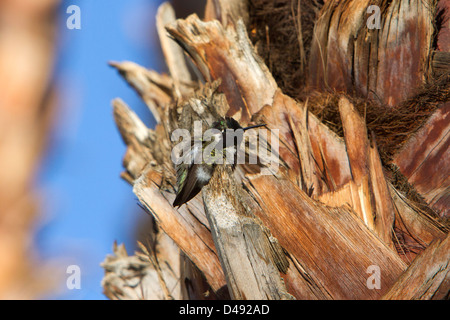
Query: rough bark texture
x=427, y=277
x=362, y=179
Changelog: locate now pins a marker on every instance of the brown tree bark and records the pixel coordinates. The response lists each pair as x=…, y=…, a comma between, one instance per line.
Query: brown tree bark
x=361, y=115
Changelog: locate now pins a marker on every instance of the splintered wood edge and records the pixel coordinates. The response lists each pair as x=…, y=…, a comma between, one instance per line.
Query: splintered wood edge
x=128, y=122
x=135, y=135
x=343, y=49
x=384, y=207
x=309, y=231
x=173, y=53
x=198, y=247
x=426, y=153
x=428, y=276
x=227, y=53
x=154, y=89
x=145, y=276
x=226, y=11
x=242, y=243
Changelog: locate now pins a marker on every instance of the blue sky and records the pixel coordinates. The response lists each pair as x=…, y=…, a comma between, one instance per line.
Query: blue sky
x=86, y=206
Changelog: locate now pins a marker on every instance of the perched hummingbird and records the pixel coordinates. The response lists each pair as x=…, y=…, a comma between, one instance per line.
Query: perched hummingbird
x=196, y=173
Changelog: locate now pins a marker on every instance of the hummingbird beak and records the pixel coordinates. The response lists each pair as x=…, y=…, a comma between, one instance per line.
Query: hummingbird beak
x=255, y=126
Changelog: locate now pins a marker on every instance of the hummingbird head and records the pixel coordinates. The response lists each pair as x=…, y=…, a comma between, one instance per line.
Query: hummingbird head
x=226, y=123
x=227, y=138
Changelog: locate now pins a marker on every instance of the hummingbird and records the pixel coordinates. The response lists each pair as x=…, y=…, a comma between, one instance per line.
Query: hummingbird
x=196, y=172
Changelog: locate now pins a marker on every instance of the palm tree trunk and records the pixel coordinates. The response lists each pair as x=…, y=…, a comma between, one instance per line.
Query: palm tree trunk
x=359, y=204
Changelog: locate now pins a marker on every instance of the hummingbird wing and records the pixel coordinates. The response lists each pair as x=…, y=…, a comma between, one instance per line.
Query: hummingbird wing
x=190, y=187
x=187, y=177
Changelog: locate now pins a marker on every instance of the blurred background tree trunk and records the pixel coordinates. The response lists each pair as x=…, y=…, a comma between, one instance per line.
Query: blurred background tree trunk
x=27, y=50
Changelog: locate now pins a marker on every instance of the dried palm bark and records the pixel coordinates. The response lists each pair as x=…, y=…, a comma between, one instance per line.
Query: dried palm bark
x=340, y=202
